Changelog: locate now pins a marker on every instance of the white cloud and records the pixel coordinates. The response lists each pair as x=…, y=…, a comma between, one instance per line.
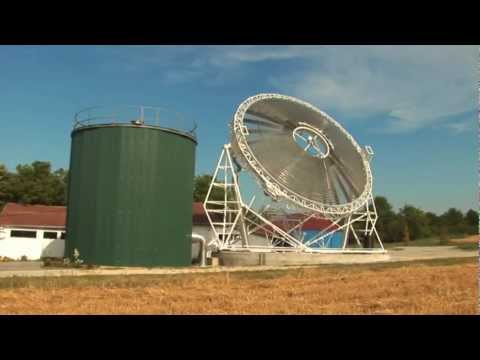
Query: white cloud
x=410, y=86
x=460, y=127
x=413, y=86
x=234, y=55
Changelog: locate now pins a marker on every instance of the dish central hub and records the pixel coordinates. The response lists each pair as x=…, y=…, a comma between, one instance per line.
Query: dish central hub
x=312, y=141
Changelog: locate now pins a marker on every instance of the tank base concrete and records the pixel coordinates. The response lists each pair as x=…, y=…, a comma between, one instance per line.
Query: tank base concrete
x=241, y=258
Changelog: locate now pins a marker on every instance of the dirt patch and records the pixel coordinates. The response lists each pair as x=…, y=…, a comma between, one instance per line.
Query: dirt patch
x=474, y=239
x=417, y=288
x=411, y=253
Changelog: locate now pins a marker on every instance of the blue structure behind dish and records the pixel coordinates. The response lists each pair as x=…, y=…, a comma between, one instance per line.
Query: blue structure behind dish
x=334, y=241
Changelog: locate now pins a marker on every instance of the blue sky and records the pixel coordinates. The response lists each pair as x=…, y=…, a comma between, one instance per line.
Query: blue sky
x=416, y=105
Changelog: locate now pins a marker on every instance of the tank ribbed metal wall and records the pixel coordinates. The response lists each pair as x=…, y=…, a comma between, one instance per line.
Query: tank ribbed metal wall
x=130, y=196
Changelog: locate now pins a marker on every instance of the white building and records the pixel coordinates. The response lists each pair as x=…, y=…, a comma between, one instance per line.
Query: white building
x=200, y=226
x=38, y=231
x=32, y=231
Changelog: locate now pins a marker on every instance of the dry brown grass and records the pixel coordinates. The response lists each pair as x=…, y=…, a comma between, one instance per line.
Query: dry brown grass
x=468, y=240
x=417, y=288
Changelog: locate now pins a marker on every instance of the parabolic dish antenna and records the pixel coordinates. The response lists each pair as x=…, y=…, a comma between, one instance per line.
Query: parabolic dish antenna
x=300, y=156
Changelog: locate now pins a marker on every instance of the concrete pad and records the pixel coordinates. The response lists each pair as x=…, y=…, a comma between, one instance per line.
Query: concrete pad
x=407, y=253
x=238, y=258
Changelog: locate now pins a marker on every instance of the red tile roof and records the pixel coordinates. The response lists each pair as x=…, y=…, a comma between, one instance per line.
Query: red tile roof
x=290, y=221
x=284, y=222
x=33, y=215
x=55, y=216
x=198, y=209
x=200, y=217
x=313, y=223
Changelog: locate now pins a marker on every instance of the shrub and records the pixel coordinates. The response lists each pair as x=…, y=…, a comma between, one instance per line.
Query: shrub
x=443, y=235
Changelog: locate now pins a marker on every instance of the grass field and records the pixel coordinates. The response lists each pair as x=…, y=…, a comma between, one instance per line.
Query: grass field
x=466, y=243
x=424, y=287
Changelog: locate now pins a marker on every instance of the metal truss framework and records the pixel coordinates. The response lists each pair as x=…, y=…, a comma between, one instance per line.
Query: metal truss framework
x=235, y=223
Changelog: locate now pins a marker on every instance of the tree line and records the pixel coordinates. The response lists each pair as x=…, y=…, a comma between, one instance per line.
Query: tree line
x=33, y=183
x=407, y=224
x=37, y=183
x=411, y=223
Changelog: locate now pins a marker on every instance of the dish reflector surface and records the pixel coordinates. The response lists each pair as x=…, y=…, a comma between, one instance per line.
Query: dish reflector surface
x=300, y=153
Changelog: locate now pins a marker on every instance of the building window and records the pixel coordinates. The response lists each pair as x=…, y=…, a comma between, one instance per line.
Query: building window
x=49, y=234
x=23, y=234
x=63, y=235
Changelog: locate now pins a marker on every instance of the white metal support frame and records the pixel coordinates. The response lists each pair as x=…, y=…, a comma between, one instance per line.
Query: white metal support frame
x=234, y=233
x=361, y=221
x=234, y=222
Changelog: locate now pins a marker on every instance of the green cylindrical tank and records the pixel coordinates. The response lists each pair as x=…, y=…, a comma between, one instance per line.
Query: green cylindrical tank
x=130, y=195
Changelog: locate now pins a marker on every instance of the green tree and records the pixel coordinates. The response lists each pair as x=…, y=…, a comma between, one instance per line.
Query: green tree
x=443, y=235
x=201, y=186
x=434, y=223
x=417, y=222
x=4, y=188
x=406, y=232
x=384, y=208
x=454, y=221
x=59, y=195
x=452, y=217
x=471, y=220
x=386, y=218
x=33, y=184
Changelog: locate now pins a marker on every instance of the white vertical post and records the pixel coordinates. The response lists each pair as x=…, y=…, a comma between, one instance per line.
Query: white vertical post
x=225, y=203
x=345, y=240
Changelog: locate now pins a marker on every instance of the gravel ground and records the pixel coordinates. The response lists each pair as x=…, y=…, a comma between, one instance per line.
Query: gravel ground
x=33, y=268
x=409, y=253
